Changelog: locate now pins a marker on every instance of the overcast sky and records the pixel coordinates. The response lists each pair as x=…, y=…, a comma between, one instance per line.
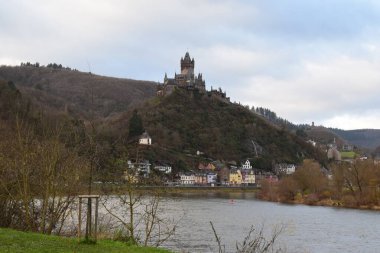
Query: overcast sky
x=314, y=60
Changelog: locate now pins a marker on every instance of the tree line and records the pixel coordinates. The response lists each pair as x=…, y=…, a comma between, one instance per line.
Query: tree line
x=273, y=118
x=354, y=185
x=50, y=65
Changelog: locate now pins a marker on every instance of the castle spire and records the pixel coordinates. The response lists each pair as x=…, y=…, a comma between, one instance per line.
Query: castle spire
x=165, y=77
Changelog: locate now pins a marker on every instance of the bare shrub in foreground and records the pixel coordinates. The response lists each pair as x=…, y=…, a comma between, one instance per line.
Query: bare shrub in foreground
x=255, y=241
x=139, y=213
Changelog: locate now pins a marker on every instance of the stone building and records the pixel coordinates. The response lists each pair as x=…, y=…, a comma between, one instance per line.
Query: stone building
x=186, y=79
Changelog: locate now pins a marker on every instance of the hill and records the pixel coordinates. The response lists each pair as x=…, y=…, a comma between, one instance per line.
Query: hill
x=186, y=122
x=180, y=124
x=366, y=138
x=61, y=89
x=324, y=135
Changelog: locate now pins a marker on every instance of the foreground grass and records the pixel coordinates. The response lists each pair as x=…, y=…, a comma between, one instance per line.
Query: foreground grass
x=16, y=241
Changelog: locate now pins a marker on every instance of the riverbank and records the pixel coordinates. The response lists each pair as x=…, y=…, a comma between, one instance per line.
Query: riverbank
x=104, y=188
x=323, y=202
x=27, y=242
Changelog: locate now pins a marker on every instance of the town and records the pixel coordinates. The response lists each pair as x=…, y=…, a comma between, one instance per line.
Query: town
x=213, y=173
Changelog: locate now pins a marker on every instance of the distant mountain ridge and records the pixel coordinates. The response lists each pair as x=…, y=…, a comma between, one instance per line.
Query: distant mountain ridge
x=367, y=138
x=362, y=138
x=79, y=93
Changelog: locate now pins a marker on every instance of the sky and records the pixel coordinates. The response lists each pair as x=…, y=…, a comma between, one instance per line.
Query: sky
x=308, y=61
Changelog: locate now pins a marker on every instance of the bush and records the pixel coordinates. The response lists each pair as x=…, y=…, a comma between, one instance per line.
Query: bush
x=349, y=201
x=311, y=199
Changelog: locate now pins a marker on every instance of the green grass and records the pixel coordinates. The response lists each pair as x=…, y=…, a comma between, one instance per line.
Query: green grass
x=13, y=241
x=348, y=154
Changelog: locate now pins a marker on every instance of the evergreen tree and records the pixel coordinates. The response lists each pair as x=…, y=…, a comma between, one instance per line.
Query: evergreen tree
x=135, y=125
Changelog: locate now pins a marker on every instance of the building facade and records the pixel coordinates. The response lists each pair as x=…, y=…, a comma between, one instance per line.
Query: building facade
x=145, y=139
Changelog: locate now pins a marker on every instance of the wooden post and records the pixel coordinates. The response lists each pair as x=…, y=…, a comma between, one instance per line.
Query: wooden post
x=89, y=231
x=89, y=218
x=96, y=218
x=79, y=217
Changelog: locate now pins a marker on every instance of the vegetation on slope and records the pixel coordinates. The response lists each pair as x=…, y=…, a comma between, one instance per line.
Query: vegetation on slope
x=323, y=135
x=353, y=185
x=366, y=138
x=81, y=94
x=185, y=122
x=38, y=157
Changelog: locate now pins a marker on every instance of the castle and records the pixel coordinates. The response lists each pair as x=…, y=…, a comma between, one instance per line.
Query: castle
x=188, y=80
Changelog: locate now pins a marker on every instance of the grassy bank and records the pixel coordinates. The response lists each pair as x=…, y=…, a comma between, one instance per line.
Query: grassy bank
x=16, y=241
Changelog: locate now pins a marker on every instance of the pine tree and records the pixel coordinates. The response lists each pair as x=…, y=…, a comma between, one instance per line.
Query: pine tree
x=135, y=125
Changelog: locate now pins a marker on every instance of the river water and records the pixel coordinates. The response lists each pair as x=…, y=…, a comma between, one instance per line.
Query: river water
x=307, y=228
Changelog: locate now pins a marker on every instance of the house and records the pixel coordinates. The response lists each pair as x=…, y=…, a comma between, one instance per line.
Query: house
x=200, y=153
x=136, y=169
x=248, y=177
x=187, y=179
x=285, y=168
x=235, y=177
x=247, y=165
x=163, y=167
x=224, y=175
x=200, y=179
x=347, y=147
x=145, y=139
x=212, y=178
x=142, y=167
x=311, y=142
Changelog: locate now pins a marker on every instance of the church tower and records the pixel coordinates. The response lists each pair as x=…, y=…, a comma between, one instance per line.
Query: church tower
x=187, y=65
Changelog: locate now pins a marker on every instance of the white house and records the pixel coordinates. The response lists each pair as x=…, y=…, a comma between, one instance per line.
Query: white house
x=211, y=178
x=145, y=139
x=285, y=168
x=164, y=168
x=187, y=179
x=142, y=167
x=312, y=143
x=247, y=165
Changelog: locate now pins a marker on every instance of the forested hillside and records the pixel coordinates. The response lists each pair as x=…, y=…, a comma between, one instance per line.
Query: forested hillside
x=186, y=122
x=367, y=138
x=81, y=94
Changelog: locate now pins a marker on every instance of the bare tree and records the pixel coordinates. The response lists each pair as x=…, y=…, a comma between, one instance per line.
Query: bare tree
x=360, y=179
x=138, y=210
x=39, y=178
x=255, y=241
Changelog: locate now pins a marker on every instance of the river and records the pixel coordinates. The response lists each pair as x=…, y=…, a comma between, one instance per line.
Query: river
x=307, y=228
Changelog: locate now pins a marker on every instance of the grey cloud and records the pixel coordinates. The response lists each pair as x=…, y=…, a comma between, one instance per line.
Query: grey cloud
x=267, y=53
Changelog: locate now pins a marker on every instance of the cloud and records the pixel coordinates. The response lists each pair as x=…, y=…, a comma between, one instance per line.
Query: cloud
x=320, y=90
x=347, y=121
x=307, y=60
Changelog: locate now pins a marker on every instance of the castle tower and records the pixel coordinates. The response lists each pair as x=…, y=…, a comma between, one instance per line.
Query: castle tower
x=187, y=65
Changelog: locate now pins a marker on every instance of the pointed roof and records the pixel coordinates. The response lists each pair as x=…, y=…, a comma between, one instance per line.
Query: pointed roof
x=145, y=135
x=187, y=57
